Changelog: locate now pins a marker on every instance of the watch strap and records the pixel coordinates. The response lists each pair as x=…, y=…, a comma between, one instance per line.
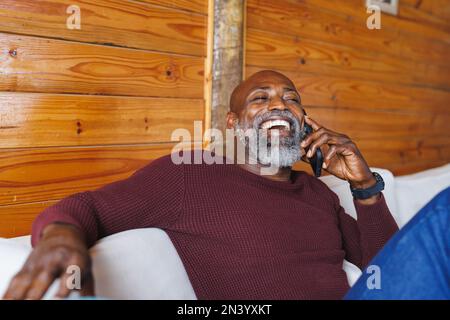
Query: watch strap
x=371, y=191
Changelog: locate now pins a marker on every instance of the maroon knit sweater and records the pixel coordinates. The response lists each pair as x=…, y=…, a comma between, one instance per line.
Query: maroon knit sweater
x=239, y=235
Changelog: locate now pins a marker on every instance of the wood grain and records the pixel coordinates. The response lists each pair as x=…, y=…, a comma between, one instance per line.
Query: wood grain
x=16, y=220
x=41, y=174
x=433, y=10
x=298, y=18
x=292, y=53
x=339, y=92
x=360, y=124
x=37, y=120
x=388, y=153
x=114, y=22
x=198, y=6
x=408, y=23
x=42, y=65
x=432, y=13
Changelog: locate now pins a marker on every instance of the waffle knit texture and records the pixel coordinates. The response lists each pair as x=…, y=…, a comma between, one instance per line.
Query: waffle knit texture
x=238, y=234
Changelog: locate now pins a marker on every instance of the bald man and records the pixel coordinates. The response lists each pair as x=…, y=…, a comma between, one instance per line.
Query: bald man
x=240, y=234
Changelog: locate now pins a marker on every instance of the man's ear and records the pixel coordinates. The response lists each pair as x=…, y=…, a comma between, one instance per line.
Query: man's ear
x=231, y=119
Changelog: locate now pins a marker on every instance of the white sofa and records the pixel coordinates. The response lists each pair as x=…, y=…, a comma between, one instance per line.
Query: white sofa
x=143, y=263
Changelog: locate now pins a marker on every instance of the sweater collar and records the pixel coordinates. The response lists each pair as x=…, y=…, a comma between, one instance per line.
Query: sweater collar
x=294, y=183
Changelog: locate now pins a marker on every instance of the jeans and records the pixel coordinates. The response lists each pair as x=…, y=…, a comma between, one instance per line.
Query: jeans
x=414, y=264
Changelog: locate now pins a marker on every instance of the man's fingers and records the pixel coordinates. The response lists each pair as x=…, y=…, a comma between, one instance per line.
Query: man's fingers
x=330, y=154
x=66, y=286
x=63, y=290
x=88, y=287
x=324, y=138
x=312, y=123
x=40, y=285
x=317, y=144
x=19, y=286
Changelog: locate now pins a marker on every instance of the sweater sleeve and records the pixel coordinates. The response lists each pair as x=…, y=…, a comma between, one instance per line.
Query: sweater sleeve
x=364, y=237
x=151, y=197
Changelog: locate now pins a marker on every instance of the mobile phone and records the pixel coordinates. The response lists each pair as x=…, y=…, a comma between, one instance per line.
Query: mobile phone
x=316, y=160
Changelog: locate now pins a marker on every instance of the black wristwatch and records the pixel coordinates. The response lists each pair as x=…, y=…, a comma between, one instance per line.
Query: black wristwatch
x=369, y=192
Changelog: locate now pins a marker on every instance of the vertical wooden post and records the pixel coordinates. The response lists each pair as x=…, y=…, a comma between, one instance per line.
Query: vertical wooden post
x=228, y=56
x=208, y=73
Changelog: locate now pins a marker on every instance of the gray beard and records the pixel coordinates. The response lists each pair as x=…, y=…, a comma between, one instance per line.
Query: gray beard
x=281, y=155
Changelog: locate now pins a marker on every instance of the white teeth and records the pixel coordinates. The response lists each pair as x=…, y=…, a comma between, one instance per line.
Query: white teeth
x=272, y=123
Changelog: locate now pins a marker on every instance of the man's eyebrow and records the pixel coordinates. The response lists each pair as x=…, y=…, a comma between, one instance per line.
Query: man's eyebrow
x=255, y=90
x=289, y=89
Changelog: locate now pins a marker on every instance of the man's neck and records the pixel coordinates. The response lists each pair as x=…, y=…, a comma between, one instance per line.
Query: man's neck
x=283, y=174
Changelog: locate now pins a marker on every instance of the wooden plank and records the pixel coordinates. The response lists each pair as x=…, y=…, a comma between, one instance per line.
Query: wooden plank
x=41, y=174
x=396, y=145
x=37, y=120
x=198, y=6
x=303, y=20
x=434, y=13
x=207, y=87
x=397, y=151
x=284, y=52
x=228, y=52
x=16, y=220
x=406, y=23
x=41, y=65
x=439, y=9
x=370, y=124
x=329, y=91
x=117, y=22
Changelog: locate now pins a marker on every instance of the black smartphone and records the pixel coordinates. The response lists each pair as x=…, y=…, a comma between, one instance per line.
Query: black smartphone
x=316, y=160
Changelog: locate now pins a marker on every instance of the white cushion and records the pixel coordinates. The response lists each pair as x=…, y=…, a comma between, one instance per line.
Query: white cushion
x=135, y=264
x=413, y=191
x=12, y=256
x=140, y=264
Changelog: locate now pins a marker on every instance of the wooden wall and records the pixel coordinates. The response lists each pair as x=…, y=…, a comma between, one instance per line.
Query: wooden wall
x=82, y=108
x=388, y=89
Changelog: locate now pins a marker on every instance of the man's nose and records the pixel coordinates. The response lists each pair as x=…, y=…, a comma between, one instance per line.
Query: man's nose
x=277, y=104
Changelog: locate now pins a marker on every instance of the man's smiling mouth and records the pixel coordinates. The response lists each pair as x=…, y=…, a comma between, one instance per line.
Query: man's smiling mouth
x=279, y=124
x=282, y=125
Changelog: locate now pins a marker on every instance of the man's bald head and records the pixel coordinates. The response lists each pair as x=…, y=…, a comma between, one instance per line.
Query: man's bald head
x=259, y=79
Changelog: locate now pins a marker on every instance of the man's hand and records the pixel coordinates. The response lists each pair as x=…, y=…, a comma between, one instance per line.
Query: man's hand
x=61, y=246
x=341, y=157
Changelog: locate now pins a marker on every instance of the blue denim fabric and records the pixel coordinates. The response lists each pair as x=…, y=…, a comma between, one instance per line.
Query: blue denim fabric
x=415, y=263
